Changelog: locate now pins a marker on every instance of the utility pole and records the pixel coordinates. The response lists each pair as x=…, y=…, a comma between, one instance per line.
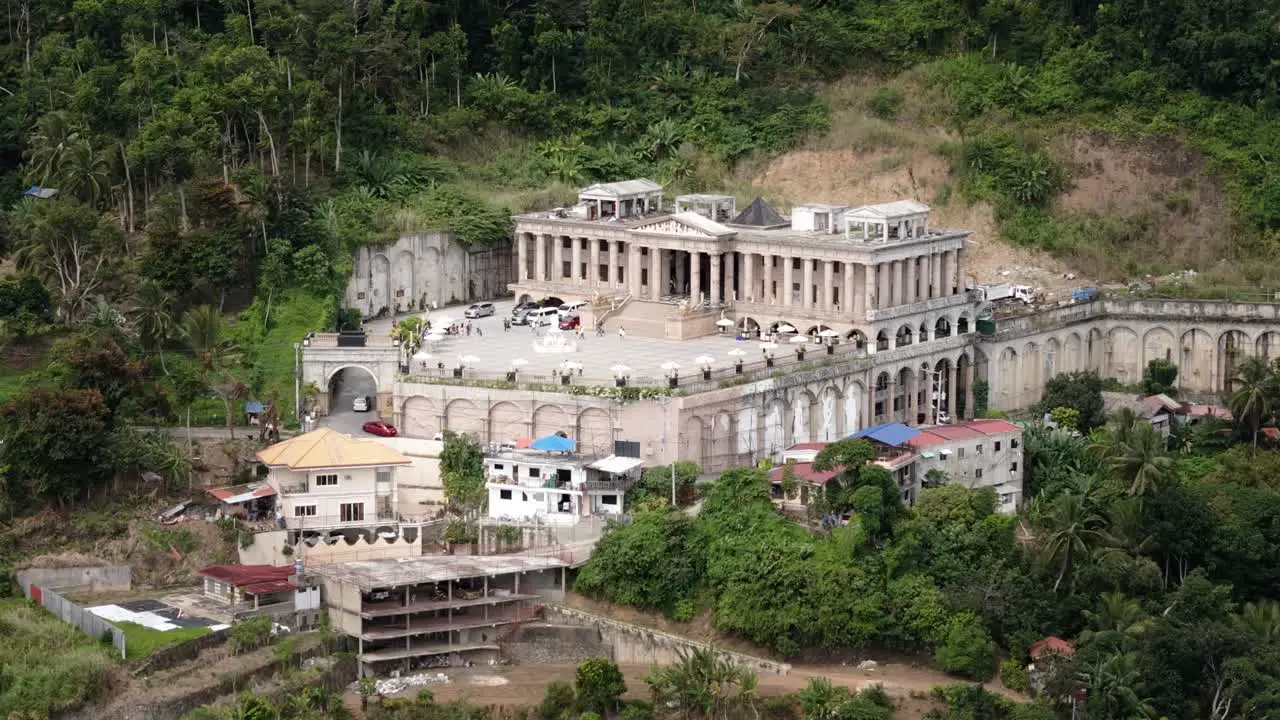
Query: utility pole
x=297, y=385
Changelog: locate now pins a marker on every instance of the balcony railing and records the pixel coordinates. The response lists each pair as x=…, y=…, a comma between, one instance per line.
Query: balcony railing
x=294, y=488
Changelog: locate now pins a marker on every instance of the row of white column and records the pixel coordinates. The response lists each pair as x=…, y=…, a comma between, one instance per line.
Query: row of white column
x=842, y=286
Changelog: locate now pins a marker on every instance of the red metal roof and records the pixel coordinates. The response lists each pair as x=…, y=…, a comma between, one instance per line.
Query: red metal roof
x=1051, y=646
x=270, y=586
x=804, y=472
x=241, y=493
x=244, y=576
x=962, y=431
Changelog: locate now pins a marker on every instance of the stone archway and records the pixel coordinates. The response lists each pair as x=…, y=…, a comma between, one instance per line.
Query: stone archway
x=507, y=422
x=802, y=417
x=463, y=417
x=380, y=284
x=1197, y=359
x=1233, y=347
x=419, y=418
x=1005, y=395
x=551, y=419
x=596, y=431
x=776, y=424
x=693, y=439
x=827, y=427
x=1123, y=356
x=854, y=397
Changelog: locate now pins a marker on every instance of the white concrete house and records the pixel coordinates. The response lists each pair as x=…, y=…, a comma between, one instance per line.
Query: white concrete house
x=976, y=454
x=534, y=486
x=325, y=479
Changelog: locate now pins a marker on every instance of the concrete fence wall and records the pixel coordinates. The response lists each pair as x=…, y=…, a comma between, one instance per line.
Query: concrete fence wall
x=92, y=579
x=636, y=645
x=72, y=614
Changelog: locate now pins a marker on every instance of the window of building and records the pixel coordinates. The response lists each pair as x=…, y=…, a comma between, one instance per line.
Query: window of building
x=383, y=476
x=1013, y=443
x=498, y=466
x=608, y=499
x=504, y=494
x=351, y=512
x=959, y=453
x=1006, y=498
x=977, y=474
x=322, y=480
x=997, y=446
x=1013, y=467
x=524, y=497
x=979, y=448
x=304, y=510
x=535, y=472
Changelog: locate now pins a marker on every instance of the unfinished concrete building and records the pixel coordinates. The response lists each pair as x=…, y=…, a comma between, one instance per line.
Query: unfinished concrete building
x=436, y=611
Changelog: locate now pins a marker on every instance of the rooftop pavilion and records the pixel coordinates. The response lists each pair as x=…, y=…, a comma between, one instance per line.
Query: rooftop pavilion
x=719, y=208
x=619, y=200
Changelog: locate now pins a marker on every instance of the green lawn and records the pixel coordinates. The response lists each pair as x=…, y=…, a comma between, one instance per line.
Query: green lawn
x=141, y=641
x=49, y=666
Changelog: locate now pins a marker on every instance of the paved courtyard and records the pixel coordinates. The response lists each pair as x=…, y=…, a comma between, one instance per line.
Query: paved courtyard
x=495, y=349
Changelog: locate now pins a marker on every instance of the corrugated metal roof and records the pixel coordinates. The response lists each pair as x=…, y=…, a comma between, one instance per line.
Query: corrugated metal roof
x=892, y=434
x=242, y=493
x=269, y=586
x=962, y=431
x=638, y=186
x=327, y=448
x=246, y=575
x=804, y=472
x=884, y=211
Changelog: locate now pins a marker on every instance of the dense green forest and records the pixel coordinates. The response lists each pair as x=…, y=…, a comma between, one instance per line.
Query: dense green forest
x=232, y=154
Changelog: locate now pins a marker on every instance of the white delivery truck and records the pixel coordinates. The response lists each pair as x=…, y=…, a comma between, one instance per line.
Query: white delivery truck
x=997, y=293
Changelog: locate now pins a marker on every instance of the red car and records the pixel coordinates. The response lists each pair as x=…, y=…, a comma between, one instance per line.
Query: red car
x=571, y=323
x=378, y=427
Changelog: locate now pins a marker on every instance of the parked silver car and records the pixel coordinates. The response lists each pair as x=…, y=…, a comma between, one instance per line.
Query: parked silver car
x=479, y=310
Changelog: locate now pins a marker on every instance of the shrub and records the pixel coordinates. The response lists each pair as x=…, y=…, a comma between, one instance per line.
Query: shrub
x=968, y=649
x=885, y=102
x=684, y=611
x=599, y=685
x=1013, y=675
x=249, y=634
x=556, y=703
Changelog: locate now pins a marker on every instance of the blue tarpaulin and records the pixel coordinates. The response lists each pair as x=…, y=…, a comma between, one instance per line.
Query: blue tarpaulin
x=554, y=443
x=892, y=434
x=253, y=406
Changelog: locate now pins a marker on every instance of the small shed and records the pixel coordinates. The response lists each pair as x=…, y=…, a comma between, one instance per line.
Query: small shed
x=253, y=501
x=257, y=584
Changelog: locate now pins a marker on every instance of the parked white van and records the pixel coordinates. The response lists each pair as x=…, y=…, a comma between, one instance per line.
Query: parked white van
x=542, y=316
x=570, y=308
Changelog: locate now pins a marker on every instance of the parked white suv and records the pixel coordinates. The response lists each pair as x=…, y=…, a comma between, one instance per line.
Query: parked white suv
x=479, y=310
x=361, y=403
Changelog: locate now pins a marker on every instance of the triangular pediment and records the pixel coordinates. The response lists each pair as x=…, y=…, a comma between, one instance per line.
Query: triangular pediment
x=685, y=224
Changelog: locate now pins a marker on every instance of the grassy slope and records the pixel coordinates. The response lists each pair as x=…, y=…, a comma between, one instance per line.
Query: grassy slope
x=48, y=665
x=141, y=641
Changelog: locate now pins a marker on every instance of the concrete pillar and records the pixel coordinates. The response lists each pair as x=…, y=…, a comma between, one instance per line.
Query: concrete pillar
x=871, y=401
x=695, y=276
x=787, y=280
x=522, y=256
x=849, y=298
x=899, y=281
x=633, y=269
x=968, y=390
x=912, y=286
x=540, y=258
x=657, y=273
x=947, y=273
x=767, y=295
x=749, y=277
x=935, y=264
x=682, y=271
x=869, y=288
x=926, y=277
x=912, y=399
x=557, y=258
x=806, y=288
x=593, y=273
x=829, y=286
x=575, y=272
x=715, y=296
x=884, y=298
x=731, y=277
x=615, y=263
x=951, y=391
x=960, y=270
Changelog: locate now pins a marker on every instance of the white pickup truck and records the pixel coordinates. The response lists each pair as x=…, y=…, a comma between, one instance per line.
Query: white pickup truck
x=997, y=293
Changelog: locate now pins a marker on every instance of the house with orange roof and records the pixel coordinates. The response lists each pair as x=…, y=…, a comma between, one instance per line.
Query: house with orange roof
x=976, y=454
x=325, y=479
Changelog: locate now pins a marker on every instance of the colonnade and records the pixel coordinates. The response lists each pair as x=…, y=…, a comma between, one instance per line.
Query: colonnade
x=654, y=272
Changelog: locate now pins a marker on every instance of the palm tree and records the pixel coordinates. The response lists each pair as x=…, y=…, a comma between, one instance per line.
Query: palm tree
x=1117, y=613
x=204, y=332
x=1125, y=532
x=1073, y=528
x=153, y=315
x=702, y=685
x=1253, y=394
x=1113, y=688
x=1142, y=461
x=1261, y=620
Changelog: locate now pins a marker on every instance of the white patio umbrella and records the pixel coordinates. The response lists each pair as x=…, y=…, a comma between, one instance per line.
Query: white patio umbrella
x=704, y=360
x=800, y=339
x=829, y=333
x=737, y=352
x=468, y=359
x=519, y=362
x=620, y=369
x=725, y=322
x=421, y=356
x=670, y=365
x=785, y=328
